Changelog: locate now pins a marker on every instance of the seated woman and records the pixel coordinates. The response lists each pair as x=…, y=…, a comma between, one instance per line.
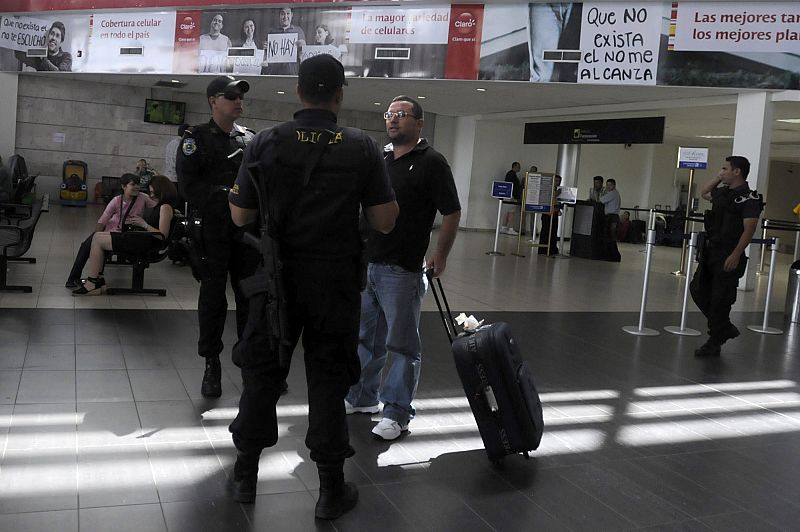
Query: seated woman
x=129, y=203
x=148, y=234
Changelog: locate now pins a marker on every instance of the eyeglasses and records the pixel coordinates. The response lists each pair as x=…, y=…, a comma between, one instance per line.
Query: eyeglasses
x=388, y=115
x=232, y=96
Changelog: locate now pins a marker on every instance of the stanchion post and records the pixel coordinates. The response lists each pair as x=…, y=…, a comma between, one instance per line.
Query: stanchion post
x=641, y=330
x=683, y=330
x=764, y=328
x=763, y=251
x=685, y=225
x=497, y=229
x=796, y=245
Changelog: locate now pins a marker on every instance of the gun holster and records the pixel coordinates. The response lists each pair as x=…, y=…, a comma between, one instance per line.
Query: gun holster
x=198, y=261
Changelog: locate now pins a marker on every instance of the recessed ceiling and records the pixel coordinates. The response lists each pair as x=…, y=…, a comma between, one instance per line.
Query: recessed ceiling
x=690, y=111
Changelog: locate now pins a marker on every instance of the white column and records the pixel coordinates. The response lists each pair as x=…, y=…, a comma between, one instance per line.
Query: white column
x=455, y=139
x=751, y=139
x=8, y=110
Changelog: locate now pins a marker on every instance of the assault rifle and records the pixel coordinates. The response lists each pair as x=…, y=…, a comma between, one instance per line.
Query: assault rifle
x=268, y=279
x=265, y=288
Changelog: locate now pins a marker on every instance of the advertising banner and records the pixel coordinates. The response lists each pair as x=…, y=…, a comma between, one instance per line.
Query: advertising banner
x=400, y=25
x=620, y=43
x=187, y=41
x=464, y=42
x=132, y=42
x=738, y=27
x=45, y=42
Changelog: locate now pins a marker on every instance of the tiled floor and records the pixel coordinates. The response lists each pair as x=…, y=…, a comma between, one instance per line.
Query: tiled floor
x=102, y=426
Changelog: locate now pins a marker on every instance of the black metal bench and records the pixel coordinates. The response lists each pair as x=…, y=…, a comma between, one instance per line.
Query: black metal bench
x=140, y=262
x=15, y=241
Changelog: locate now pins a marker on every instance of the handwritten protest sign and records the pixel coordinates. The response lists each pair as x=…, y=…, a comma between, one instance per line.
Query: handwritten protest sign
x=312, y=50
x=248, y=65
x=620, y=43
x=281, y=48
x=21, y=33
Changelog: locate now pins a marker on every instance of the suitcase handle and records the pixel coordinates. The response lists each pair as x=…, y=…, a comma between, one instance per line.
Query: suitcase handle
x=448, y=321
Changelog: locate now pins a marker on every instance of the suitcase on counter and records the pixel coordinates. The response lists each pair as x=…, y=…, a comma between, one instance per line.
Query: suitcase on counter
x=498, y=384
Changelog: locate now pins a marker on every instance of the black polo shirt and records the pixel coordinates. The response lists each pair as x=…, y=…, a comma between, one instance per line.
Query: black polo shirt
x=423, y=183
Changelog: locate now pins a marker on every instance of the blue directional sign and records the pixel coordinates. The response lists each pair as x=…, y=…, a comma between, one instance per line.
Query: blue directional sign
x=502, y=190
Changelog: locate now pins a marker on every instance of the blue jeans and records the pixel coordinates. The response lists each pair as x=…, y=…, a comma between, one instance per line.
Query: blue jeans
x=390, y=309
x=546, y=23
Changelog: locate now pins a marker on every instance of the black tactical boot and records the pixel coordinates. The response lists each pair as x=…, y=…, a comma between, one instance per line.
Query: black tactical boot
x=708, y=349
x=728, y=333
x=245, y=477
x=212, y=379
x=335, y=495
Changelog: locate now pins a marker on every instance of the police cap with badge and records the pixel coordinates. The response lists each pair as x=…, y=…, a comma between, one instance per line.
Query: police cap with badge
x=226, y=86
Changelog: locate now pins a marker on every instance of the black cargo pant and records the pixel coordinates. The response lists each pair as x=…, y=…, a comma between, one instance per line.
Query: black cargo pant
x=714, y=290
x=324, y=307
x=545, y=234
x=610, y=250
x=226, y=255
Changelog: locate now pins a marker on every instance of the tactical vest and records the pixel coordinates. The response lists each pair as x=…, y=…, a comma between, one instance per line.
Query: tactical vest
x=724, y=223
x=318, y=221
x=214, y=149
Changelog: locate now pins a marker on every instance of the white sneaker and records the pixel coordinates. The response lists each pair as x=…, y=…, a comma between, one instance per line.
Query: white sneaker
x=512, y=231
x=389, y=429
x=350, y=409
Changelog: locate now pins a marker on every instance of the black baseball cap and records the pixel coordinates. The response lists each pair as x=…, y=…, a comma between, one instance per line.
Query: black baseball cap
x=226, y=84
x=321, y=74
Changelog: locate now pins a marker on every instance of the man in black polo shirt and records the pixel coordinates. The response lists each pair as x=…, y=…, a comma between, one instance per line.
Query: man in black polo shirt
x=390, y=304
x=313, y=195
x=730, y=226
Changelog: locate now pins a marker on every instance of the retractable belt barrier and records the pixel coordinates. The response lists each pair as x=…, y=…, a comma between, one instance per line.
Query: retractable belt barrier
x=683, y=330
x=641, y=330
x=778, y=225
x=764, y=328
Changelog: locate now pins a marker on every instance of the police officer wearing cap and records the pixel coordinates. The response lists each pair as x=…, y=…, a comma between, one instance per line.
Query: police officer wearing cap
x=730, y=226
x=316, y=224
x=207, y=163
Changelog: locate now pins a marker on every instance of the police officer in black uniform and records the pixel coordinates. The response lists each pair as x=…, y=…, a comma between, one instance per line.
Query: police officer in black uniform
x=730, y=226
x=207, y=164
x=316, y=226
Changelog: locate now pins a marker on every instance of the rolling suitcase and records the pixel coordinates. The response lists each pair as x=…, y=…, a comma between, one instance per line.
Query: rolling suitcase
x=498, y=385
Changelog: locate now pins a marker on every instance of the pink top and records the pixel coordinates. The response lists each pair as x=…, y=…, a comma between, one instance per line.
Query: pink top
x=111, y=217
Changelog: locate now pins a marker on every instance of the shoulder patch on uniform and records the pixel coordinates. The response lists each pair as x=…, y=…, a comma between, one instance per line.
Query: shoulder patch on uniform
x=189, y=146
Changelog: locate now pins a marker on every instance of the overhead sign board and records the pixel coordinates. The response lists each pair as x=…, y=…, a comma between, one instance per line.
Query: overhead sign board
x=648, y=130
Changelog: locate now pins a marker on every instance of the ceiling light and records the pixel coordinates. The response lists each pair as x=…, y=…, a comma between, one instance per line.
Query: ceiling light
x=281, y=92
x=480, y=89
x=376, y=103
x=789, y=120
x=421, y=97
x=715, y=136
